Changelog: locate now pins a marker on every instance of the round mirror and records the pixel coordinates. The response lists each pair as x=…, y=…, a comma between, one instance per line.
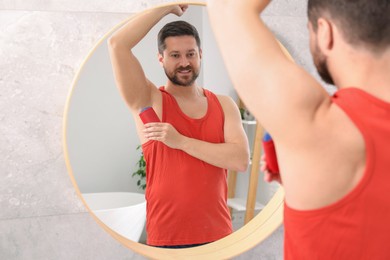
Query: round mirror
x=106, y=165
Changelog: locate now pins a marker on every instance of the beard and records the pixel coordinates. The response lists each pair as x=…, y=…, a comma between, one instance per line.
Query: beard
x=184, y=81
x=321, y=63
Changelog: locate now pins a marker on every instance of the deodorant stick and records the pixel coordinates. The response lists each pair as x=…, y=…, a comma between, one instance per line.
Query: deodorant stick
x=148, y=115
x=270, y=154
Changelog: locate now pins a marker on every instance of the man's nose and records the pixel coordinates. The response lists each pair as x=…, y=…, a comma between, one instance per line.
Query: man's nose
x=184, y=61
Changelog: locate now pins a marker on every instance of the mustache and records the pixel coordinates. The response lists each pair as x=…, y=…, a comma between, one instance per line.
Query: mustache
x=184, y=68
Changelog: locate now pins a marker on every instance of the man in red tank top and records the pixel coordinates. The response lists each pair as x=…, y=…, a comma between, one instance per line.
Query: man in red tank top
x=333, y=152
x=200, y=134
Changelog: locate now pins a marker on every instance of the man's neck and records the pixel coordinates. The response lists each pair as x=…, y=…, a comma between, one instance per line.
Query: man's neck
x=367, y=71
x=192, y=91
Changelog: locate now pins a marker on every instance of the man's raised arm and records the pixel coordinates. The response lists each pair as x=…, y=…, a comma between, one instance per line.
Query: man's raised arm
x=277, y=91
x=130, y=78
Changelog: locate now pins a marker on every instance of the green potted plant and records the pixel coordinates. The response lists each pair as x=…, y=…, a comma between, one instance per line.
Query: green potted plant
x=140, y=171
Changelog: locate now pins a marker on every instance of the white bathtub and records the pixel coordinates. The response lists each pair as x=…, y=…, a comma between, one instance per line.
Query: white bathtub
x=123, y=212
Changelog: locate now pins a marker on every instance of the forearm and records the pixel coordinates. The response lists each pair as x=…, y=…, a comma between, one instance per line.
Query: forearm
x=261, y=48
x=130, y=78
x=229, y=156
x=135, y=30
x=270, y=81
x=233, y=154
x=245, y=27
x=262, y=57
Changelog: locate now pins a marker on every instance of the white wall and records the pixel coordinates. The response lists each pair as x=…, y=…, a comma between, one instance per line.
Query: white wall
x=216, y=77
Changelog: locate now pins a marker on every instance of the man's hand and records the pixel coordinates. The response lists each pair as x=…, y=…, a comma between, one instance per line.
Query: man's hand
x=164, y=132
x=179, y=10
x=269, y=176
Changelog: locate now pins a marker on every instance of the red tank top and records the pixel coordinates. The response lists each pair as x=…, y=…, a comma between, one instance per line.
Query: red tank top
x=186, y=197
x=358, y=225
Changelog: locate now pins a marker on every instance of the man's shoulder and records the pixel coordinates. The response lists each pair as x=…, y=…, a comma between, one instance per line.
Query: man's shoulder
x=225, y=99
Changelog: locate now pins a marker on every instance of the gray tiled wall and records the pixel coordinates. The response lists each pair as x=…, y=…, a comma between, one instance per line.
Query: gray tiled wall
x=42, y=45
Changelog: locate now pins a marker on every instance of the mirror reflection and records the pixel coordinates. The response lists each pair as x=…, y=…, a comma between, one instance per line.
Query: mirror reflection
x=201, y=134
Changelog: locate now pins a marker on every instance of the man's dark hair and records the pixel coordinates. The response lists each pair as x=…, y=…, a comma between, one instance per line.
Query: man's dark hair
x=362, y=22
x=177, y=28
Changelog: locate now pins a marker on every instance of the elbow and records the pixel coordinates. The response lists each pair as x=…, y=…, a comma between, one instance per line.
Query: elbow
x=245, y=160
x=111, y=42
x=242, y=164
x=243, y=167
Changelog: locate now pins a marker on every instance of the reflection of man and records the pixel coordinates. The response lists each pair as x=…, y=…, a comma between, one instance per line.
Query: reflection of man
x=200, y=135
x=334, y=157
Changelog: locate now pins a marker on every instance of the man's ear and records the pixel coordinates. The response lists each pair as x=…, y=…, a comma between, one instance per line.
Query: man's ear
x=200, y=53
x=160, y=58
x=325, y=35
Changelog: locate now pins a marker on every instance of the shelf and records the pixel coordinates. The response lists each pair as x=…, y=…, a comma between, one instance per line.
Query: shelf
x=240, y=204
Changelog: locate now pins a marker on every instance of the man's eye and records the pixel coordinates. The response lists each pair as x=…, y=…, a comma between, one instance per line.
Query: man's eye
x=175, y=55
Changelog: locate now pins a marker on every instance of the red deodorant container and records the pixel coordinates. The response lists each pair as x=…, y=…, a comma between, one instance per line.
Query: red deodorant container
x=270, y=154
x=148, y=115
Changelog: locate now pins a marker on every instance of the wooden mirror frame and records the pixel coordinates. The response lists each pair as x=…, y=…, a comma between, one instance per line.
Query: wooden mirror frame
x=247, y=237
